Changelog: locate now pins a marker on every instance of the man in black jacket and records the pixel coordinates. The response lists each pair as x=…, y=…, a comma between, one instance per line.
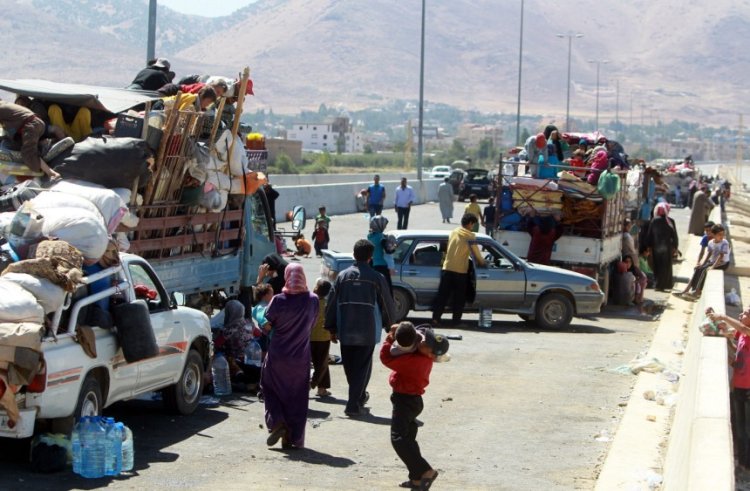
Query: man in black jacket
x=358, y=306
x=155, y=76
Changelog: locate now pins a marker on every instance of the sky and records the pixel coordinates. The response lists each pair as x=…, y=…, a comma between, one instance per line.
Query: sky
x=202, y=7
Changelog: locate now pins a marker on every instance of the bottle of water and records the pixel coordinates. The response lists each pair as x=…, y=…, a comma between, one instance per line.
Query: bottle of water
x=128, y=453
x=485, y=318
x=75, y=443
x=113, y=454
x=93, y=445
x=253, y=354
x=220, y=374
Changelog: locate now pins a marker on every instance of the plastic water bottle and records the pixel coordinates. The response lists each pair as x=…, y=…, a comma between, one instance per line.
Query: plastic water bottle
x=113, y=453
x=93, y=443
x=220, y=374
x=128, y=453
x=75, y=443
x=485, y=318
x=253, y=354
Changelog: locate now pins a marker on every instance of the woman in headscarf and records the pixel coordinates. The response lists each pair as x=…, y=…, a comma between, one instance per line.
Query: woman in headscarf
x=702, y=206
x=285, y=378
x=599, y=164
x=663, y=242
x=382, y=261
x=233, y=338
x=271, y=271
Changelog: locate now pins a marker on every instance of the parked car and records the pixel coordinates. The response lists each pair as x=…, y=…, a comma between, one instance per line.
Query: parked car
x=440, y=171
x=546, y=295
x=476, y=181
x=75, y=385
x=456, y=180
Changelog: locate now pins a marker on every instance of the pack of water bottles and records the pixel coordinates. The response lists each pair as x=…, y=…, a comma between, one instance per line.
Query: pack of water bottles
x=101, y=447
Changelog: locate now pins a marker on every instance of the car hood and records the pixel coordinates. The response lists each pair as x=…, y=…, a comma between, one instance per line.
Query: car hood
x=552, y=274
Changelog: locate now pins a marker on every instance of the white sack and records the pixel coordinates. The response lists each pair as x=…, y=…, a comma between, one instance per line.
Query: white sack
x=18, y=305
x=108, y=202
x=54, y=201
x=130, y=219
x=80, y=228
x=238, y=161
x=221, y=181
x=50, y=296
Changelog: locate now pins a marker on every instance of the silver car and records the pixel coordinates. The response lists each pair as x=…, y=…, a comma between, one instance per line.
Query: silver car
x=547, y=295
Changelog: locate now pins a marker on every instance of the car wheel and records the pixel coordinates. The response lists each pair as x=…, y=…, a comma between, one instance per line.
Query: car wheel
x=554, y=311
x=403, y=303
x=90, y=400
x=184, y=396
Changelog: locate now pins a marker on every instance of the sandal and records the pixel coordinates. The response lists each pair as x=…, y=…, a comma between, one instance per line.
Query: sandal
x=409, y=485
x=325, y=393
x=277, y=433
x=426, y=482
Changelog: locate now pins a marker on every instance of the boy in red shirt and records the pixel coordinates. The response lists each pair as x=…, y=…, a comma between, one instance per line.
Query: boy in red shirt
x=409, y=377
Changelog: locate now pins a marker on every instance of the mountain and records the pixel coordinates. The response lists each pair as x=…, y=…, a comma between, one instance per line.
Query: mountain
x=674, y=59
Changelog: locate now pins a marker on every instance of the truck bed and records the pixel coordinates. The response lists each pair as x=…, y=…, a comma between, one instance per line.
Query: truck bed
x=568, y=250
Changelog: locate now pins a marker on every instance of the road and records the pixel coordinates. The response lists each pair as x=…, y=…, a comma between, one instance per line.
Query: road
x=515, y=409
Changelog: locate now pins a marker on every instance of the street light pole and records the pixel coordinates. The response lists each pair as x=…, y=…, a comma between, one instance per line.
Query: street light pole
x=421, y=100
x=599, y=63
x=151, y=41
x=570, y=37
x=520, y=61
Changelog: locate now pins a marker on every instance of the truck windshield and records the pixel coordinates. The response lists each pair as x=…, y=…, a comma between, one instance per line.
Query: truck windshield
x=260, y=215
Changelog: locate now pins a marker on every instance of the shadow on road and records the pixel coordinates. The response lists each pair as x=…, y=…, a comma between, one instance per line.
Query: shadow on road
x=310, y=456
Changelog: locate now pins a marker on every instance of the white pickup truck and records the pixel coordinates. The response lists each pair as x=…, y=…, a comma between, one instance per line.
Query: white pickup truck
x=76, y=385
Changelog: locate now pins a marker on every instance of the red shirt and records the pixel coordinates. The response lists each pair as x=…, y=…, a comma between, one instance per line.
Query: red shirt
x=410, y=372
x=741, y=377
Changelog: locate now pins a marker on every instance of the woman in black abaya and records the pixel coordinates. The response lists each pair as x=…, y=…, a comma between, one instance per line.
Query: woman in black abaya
x=663, y=242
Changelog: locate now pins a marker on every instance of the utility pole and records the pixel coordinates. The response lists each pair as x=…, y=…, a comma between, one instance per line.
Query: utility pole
x=570, y=37
x=617, y=109
x=151, y=43
x=520, y=62
x=738, y=166
x=599, y=63
x=421, y=102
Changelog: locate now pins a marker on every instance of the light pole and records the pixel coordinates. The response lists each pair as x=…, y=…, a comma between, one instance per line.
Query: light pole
x=520, y=61
x=570, y=37
x=421, y=100
x=151, y=42
x=599, y=63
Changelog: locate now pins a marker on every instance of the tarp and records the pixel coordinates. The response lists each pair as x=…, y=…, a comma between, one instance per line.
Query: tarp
x=108, y=99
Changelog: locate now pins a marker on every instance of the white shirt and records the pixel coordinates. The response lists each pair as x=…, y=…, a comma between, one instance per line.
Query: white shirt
x=404, y=196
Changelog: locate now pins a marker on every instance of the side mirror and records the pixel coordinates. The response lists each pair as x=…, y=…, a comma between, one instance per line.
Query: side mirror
x=299, y=218
x=176, y=298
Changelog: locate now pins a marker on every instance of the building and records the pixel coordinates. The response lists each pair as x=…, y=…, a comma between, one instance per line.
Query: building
x=338, y=136
x=290, y=148
x=472, y=134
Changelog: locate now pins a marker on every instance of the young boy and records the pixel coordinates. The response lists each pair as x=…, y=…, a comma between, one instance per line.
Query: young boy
x=304, y=247
x=488, y=217
x=473, y=208
x=322, y=216
x=320, y=237
x=717, y=258
x=320, y=343
x=409, y=377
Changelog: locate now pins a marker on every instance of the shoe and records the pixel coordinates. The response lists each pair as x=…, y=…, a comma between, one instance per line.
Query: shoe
x=426, y=482
x=418, y=423
x=408, y=484
x=365, y=398
x=362, y=412
x=278, y=433
x=325, y=393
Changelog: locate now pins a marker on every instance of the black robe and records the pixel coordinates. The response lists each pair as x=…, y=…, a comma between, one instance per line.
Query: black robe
x=663, y=242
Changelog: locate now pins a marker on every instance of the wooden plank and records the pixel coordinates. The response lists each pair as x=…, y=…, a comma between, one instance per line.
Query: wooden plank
x=182, y=240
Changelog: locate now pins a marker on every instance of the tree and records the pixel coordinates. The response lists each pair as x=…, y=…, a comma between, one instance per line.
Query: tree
x=368, y=149
x=486, y=149
x=340, y=144
x=285, y=164
x=524, y=136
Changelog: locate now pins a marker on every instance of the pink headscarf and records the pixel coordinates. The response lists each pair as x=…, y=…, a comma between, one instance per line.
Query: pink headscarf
x=661, y=209
x=294, y=279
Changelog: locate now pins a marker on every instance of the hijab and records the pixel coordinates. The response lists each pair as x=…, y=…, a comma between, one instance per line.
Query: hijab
x=295, y=281
x=234, y=314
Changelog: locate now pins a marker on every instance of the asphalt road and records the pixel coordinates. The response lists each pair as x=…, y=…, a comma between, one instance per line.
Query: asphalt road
x=515, y=409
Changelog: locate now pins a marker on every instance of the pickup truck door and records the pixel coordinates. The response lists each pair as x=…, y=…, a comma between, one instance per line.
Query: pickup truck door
x=501, y=283
x=421, y=269
x=169, y=332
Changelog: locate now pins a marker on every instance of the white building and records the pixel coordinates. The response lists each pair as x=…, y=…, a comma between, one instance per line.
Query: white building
x=334, y=137
x=472, y=134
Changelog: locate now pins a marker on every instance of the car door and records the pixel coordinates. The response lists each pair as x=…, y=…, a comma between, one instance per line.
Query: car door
x=501, y=284
x=420, y=270
x=169, y=333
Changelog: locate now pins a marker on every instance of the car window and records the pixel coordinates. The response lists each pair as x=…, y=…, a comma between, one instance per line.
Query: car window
x=142, y=277
x=493, y=257
x=401, y=250
x=429, y=253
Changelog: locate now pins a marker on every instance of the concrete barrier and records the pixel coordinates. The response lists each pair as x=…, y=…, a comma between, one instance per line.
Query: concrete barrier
x=340, y=198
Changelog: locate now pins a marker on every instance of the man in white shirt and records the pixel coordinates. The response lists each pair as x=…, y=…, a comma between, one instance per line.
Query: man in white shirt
x=404, y=198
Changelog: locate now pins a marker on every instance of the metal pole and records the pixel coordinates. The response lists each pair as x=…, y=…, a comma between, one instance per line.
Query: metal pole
x=567, y=104
x=596, y=123
x=151, y=46
x=617, y=108
x=520, y=62
x=421, y=100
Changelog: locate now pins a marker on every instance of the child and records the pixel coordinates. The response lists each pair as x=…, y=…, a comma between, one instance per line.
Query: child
x=321, y=237
x=304, y=247
x=320, y=343
x=322, y=216
x=488, y=217
x=717, y=258
x=409, y=377
x=473, y=208
x=707, y=236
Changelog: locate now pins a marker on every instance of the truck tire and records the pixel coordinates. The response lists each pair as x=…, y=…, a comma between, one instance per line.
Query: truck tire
x=184, y=396
x=90, y=400
x=553, y=311
x=402, y=302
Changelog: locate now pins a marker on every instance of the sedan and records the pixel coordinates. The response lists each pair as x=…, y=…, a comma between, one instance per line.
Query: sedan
x=440, y=171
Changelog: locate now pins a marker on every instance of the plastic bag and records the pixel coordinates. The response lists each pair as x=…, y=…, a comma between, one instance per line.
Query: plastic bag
x=608, y=185
x=732, y=298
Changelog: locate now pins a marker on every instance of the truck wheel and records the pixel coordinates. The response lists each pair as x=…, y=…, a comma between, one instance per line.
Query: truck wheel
x=90, y=401
x=184, y=396
x=553, y=311
x=403, y=303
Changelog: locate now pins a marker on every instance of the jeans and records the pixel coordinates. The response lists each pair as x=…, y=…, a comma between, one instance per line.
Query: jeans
x=740, y=403
x=403, y=217
x=455, y=283
x=319, y=246
x=374, y=209
x=406, y=408
x=357, y=361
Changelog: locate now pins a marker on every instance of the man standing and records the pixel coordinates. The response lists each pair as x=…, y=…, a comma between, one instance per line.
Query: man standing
x=445, y=198
x=536, y=146
x=358, y=307
x=404, y=198
x=454, y=277
x=375, y=197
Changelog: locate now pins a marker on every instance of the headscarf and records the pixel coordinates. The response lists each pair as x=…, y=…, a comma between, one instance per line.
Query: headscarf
x=234, y=313
x=234, y=335
x=294, y=276
x=541, y=140
x=662, y=210
x=378, y=223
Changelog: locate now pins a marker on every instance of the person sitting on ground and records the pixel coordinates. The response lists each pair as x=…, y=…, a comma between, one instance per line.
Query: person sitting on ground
x=304, y=247
x=320, y=342
x=153, y=77
x=718, y=258
x=234, y=337
x=21, y=124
